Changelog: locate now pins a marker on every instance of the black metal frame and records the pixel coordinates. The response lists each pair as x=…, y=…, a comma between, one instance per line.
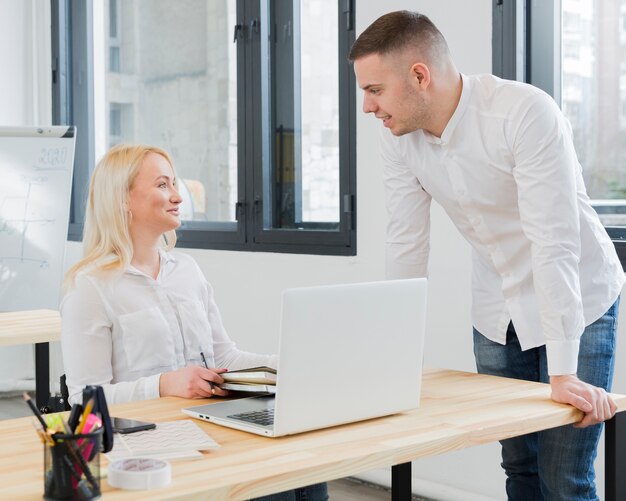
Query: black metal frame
x=42, y=376
x=73, y=103
x=614, y=465
x=401, y=482
x=72, y=94
x=618, y=235
x=615, y=458
x=509, y=23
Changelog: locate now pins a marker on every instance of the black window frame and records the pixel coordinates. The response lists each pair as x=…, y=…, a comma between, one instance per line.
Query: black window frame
x=516, y=57
x=73, y=103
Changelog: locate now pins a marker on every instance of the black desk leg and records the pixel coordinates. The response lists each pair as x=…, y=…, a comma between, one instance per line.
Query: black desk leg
x=42, y=375
x=401, y=482
x=615, y=458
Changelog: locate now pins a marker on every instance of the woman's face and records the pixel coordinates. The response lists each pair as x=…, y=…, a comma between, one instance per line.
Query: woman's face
x=153, y=199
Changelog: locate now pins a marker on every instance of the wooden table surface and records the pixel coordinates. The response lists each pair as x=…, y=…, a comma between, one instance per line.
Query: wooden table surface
x=458, y=410
x=29, y=326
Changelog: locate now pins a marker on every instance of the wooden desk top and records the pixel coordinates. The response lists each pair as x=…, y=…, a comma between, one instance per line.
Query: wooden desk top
x=458, y=410
x=29, y=326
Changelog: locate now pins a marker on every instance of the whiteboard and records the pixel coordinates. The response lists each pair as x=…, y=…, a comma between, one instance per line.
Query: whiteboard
x=36, y=167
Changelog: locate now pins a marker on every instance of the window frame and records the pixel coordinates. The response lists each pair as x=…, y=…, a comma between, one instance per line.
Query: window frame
x=72, y=90
x=73, y=103
x=516, y=57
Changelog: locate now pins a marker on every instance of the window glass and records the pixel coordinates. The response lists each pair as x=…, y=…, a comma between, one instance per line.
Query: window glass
x=246, y=95
x=594, y=98
x=171, y=81
x=320, y=112
x=302, y=136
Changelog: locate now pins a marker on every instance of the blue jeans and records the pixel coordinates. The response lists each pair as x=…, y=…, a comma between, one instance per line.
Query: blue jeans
x=316, y=492
x=555, y=464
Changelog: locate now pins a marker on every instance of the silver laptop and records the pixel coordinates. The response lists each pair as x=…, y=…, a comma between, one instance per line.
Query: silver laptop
x=346, y=353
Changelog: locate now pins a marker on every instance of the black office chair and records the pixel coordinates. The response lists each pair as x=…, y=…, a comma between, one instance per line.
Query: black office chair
x=61, y=402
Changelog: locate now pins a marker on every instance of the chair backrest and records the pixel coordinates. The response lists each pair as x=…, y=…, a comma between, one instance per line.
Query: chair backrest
x=64, y=399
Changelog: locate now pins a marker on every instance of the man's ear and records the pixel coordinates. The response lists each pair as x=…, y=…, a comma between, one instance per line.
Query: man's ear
x=420, y=74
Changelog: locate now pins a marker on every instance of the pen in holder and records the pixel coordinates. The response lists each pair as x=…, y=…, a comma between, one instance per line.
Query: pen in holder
x=72, y=465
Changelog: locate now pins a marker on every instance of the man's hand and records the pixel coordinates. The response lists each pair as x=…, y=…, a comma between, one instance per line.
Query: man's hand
x=596, y=403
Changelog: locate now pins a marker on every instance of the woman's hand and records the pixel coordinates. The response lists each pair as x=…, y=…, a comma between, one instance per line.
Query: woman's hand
x=192, y=382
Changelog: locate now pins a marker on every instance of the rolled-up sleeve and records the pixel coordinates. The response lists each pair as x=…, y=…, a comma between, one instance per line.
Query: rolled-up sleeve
x=407, y=242
x=545, y=170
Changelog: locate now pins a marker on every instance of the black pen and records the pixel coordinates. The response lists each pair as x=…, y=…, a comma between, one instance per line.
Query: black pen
x=206, y=367
x=75, y=413
x=83, y=490
x=36, y=412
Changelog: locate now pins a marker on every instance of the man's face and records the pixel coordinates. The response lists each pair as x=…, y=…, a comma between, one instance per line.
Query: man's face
x=392, y=93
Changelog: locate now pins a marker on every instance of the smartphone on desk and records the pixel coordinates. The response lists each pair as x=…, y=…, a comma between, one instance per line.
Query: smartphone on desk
x=123, y=425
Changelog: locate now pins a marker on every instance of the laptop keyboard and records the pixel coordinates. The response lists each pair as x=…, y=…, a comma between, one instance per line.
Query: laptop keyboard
x=263, y=418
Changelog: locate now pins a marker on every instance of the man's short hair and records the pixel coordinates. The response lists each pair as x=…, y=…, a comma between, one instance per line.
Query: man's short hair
x=398, y=30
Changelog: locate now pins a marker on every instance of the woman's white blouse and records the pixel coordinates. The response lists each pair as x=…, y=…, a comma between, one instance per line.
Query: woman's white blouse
x=122, y=330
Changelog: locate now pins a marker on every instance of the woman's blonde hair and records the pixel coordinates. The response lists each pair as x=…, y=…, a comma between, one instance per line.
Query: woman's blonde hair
x=106, y=239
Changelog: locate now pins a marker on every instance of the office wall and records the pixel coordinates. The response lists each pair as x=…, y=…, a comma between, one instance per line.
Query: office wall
x=25, y=89
x=248, y=285
x=25, y=97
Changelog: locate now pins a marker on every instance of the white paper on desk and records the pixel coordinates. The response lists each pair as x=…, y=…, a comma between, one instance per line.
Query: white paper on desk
x=119, y=453
x=172, y=440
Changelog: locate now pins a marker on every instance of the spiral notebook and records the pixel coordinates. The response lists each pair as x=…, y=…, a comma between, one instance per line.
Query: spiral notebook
x=181, y=439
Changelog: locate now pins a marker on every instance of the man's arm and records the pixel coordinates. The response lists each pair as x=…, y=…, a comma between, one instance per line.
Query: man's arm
x=546, y=170
x=408, y=212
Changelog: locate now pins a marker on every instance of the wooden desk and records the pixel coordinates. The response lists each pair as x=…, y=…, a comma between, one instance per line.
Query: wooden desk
x=38, y=327
x=458, y=410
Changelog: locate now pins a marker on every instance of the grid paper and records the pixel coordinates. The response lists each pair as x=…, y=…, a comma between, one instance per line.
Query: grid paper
x=174, y=439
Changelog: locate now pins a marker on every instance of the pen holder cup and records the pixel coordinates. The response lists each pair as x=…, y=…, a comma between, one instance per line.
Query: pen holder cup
x=72, y=466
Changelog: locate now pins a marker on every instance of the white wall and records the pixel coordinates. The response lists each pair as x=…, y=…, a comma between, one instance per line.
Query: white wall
x=25, y=88
x=25, y=97
x=248, y=285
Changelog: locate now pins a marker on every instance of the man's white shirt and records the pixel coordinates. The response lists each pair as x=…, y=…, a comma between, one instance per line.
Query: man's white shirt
x=506, y=173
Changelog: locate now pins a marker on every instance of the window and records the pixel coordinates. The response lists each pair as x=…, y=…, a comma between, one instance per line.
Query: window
x=254, y=100
x=114, y=36
x=573, y=49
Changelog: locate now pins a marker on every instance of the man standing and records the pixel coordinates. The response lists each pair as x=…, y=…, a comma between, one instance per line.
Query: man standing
x=498, y=156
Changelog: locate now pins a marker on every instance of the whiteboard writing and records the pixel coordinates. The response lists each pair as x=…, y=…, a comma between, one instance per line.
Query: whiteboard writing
x=35, y=183
x=36, y=167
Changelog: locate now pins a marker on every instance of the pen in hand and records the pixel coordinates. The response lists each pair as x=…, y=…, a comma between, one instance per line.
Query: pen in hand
x=206, y=367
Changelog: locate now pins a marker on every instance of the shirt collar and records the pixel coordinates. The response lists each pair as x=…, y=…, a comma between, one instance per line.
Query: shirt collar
x=165, y=259
x=456, y=117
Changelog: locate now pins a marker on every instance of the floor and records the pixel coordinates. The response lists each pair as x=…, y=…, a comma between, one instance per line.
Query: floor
x=345, y=489
x=352, y=489
x=12, y=406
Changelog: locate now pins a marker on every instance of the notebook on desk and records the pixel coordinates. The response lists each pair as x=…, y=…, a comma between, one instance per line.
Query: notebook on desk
x=341, y=348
